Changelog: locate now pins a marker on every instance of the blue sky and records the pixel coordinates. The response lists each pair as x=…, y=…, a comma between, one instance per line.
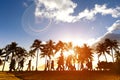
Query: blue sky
x=24, y=21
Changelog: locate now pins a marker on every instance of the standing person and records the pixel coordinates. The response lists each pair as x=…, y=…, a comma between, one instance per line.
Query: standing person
x=12, y=65
x=60, y=62
x=52, y=65
x=29, y=66
x=47, y=66
x=21, y=64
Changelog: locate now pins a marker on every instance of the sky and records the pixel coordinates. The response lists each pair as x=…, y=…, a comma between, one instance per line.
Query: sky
x=79, y=21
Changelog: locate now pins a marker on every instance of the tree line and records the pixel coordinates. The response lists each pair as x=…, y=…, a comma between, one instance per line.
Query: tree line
x=82, y=55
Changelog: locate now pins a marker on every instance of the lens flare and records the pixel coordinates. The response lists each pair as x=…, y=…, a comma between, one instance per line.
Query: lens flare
x=32, y=24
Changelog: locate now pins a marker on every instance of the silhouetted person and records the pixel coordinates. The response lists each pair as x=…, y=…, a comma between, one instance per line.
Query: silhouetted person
x=89, y=65
x=60, y=62
x=12, y=65
x=21, y=64
x=68, y=62
x=52, y=65
x=32, y=68
x=47, y=65
x=81, y=66
x=29, y=66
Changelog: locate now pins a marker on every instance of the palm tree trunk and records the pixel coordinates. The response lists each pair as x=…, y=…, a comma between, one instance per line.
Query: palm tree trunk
x=98, y=59
x=49, y=67
x=4, y=64
x=37, y=60
x=78, y=65
x=45, y=62
x=112, y=54
x=105, y=57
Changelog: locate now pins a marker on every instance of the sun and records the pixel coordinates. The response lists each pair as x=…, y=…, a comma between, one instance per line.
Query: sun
x=77, y=40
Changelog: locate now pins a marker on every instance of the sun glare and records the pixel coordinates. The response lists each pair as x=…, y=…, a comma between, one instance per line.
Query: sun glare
x=67, y=53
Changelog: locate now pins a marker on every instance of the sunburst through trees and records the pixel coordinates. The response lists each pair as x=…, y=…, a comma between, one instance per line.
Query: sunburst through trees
x=68, y=58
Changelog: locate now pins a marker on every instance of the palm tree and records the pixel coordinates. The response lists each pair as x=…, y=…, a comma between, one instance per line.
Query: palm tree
x=102, y=50
x=111, y=45
x=87, y=55
x=31, y=53
x=36, y=46
x=21, y=54
x=9, y=50
x=59, y=46
x=1, y=62
x=48, y=51
x=87, y=51
x=77, y=51
x=3, y=54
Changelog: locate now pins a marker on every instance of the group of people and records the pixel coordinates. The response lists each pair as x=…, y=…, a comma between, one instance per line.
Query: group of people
x=62, y=64
x=49, y=66
x=19, y=67
x=68, y=64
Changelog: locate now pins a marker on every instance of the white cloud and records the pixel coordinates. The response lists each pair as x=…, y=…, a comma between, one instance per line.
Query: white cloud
x=62, y=10
x=59, y=10
x=111, y=34
x=115, y=26
x=102, y=9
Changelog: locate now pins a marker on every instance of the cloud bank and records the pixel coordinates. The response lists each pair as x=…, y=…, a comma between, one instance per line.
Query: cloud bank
x=114, y=27
x=63, y=10
x=111, y=33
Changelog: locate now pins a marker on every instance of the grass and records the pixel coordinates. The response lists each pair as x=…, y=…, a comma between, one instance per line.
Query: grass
x=67, y=75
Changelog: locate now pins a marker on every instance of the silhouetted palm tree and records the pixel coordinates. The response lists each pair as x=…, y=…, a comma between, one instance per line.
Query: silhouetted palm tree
x=36, y=46
x=1, y=62
x=59, y=47
x=111, y=45
x=77, y=51
x=31, y=53
x=48, y=51
x=102, y=50
x=9, y=50
x=86, y=53
x=21, y=54
x=4, y=55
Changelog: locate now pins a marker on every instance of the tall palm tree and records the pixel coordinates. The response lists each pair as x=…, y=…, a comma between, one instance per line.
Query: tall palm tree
x=111, y=45
x=87, y=51
x=48, y=51
x=31, y=54
x=102, y=50
x=21, y=54
x=77, y=51
x=9, y=50
x=36, y=46
x=1, y=62
x=4, y=54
